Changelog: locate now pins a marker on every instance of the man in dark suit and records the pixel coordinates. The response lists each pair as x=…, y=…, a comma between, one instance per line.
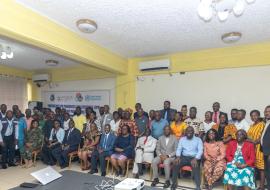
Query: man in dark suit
x=168, y=113
x=3, y=110
x=216, y=113
x=104, y=149
x=266, y=144
x=70, y=144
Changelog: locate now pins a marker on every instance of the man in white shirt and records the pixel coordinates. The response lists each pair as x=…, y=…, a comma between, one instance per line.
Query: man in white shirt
x=115, y=122
x=241, y=122
x=66, y=121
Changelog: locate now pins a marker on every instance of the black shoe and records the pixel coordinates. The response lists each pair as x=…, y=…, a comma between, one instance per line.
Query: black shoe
x=174, y=186
x=11, y=164
x=123, y=174
x=167, y=184
x=103, y=174
x=155, y=182
x=4, y=166
x=64, y=166
x=93, y=171
x=117, y=173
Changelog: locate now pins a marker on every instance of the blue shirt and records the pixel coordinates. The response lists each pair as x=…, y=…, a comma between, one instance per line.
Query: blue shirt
x=157, y=127
x=190, y=147
x=21, y=128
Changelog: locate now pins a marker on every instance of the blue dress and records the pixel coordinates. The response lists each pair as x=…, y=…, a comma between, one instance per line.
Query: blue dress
x=239, y=177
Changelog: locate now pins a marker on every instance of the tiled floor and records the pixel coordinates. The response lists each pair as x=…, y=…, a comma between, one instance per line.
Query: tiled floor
x=14, y=176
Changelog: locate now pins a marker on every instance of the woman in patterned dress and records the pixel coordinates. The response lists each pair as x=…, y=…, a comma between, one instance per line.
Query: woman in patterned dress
x=33, y=141
x=226, y=132
x=240, y=156
x=90, y=143
x=254, y=136
x=214, y=155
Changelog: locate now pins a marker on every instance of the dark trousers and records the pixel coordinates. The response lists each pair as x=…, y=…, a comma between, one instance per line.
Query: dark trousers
x=101, y=157
x=267, y=169
x=62, y=155
x=186, y=161
x=46, y=155
x=8, y=150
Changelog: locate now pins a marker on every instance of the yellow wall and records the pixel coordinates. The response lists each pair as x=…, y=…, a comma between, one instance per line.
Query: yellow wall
x=5, y=70
x=219, y=58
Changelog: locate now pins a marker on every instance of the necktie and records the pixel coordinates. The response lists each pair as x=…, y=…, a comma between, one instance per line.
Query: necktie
x=145, y=140
x=165, y=115
x=105, y=142
x=215, y=117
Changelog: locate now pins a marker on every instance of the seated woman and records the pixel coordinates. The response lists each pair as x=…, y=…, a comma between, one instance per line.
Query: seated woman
x=145, y=149
x=90, y=142
x=226, y=132
x=123, y=150
x=178, y=126
x=55, y=140
x=33, y=141
x=214, y=155
x=240, y=156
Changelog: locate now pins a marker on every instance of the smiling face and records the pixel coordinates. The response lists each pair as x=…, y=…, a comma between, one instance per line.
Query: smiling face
x=241, y=136
x=211, y=135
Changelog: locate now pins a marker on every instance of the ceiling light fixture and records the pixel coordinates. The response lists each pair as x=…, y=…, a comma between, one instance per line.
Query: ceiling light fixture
x=221, y=8
x=86, y=25
x=231, y=37
x=51, y=63
x=6, y=52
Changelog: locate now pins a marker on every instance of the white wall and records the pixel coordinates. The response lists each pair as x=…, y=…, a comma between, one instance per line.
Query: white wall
x=84, y=85
x=246, y=88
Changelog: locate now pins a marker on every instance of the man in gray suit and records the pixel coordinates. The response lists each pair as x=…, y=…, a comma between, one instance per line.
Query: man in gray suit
x=165, y=150
x=105, y=118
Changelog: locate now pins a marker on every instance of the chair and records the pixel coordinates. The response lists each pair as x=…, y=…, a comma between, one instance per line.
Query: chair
x=129, y=161
x=150, y=169
x=108, y=159
x=186, y=168
x=72, y=155
x=34, y=157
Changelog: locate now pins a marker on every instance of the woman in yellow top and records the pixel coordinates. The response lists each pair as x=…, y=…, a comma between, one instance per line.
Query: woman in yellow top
x=254, y=136
x=178, y=126
x=226, y=132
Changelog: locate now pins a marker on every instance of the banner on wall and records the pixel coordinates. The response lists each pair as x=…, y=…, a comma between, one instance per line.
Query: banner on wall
x=71, y=99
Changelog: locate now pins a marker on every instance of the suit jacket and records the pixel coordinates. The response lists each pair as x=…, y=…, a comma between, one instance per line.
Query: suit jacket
x=171, y=147
x=109, y=143
x=105, y=121
x=266, y=141
x=169, y=113
x=73, y=139
x=248, y=152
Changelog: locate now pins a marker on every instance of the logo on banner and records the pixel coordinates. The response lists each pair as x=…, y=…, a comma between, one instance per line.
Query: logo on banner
x=78, y=97
x=52, y=97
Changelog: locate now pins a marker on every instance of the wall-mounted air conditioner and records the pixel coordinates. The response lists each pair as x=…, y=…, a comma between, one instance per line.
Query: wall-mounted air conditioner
x=155, y=65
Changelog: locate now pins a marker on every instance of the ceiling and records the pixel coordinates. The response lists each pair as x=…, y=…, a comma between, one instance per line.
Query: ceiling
x=31, y=58
x=137, y=28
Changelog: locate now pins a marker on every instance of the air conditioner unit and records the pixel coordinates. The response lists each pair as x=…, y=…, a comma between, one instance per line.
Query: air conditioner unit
x=155, y=65
x=40, y=79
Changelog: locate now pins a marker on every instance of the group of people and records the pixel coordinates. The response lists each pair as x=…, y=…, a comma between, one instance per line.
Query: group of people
x=232, y=150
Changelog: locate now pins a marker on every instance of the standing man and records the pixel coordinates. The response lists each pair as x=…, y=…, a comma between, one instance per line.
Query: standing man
x=167, y=111
x=158, y=125
x=166, y=147
x=216, y=112
x=137, y=107
x=28, y=118
x=241, y=122
x=141, y=122
x=107, y=117
x=189, y=152
x=233, y=119
x=266, y=144
x=104, y=149
x=184, y=111
x=79, y=119
x=194, y=122
x=3, y=111
x=8, y=139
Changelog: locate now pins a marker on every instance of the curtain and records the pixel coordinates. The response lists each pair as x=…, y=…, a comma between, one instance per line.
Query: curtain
x=13, y=90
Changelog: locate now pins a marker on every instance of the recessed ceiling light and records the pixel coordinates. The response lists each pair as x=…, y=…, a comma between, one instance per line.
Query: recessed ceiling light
x=86, y=25
x=51, y=63
x=231, y=37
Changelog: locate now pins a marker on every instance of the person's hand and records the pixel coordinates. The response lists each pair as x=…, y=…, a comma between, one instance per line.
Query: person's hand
x=163, y=157
x=194, y=163
x=176, y=161
x=237, y=164
x=118, y=150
